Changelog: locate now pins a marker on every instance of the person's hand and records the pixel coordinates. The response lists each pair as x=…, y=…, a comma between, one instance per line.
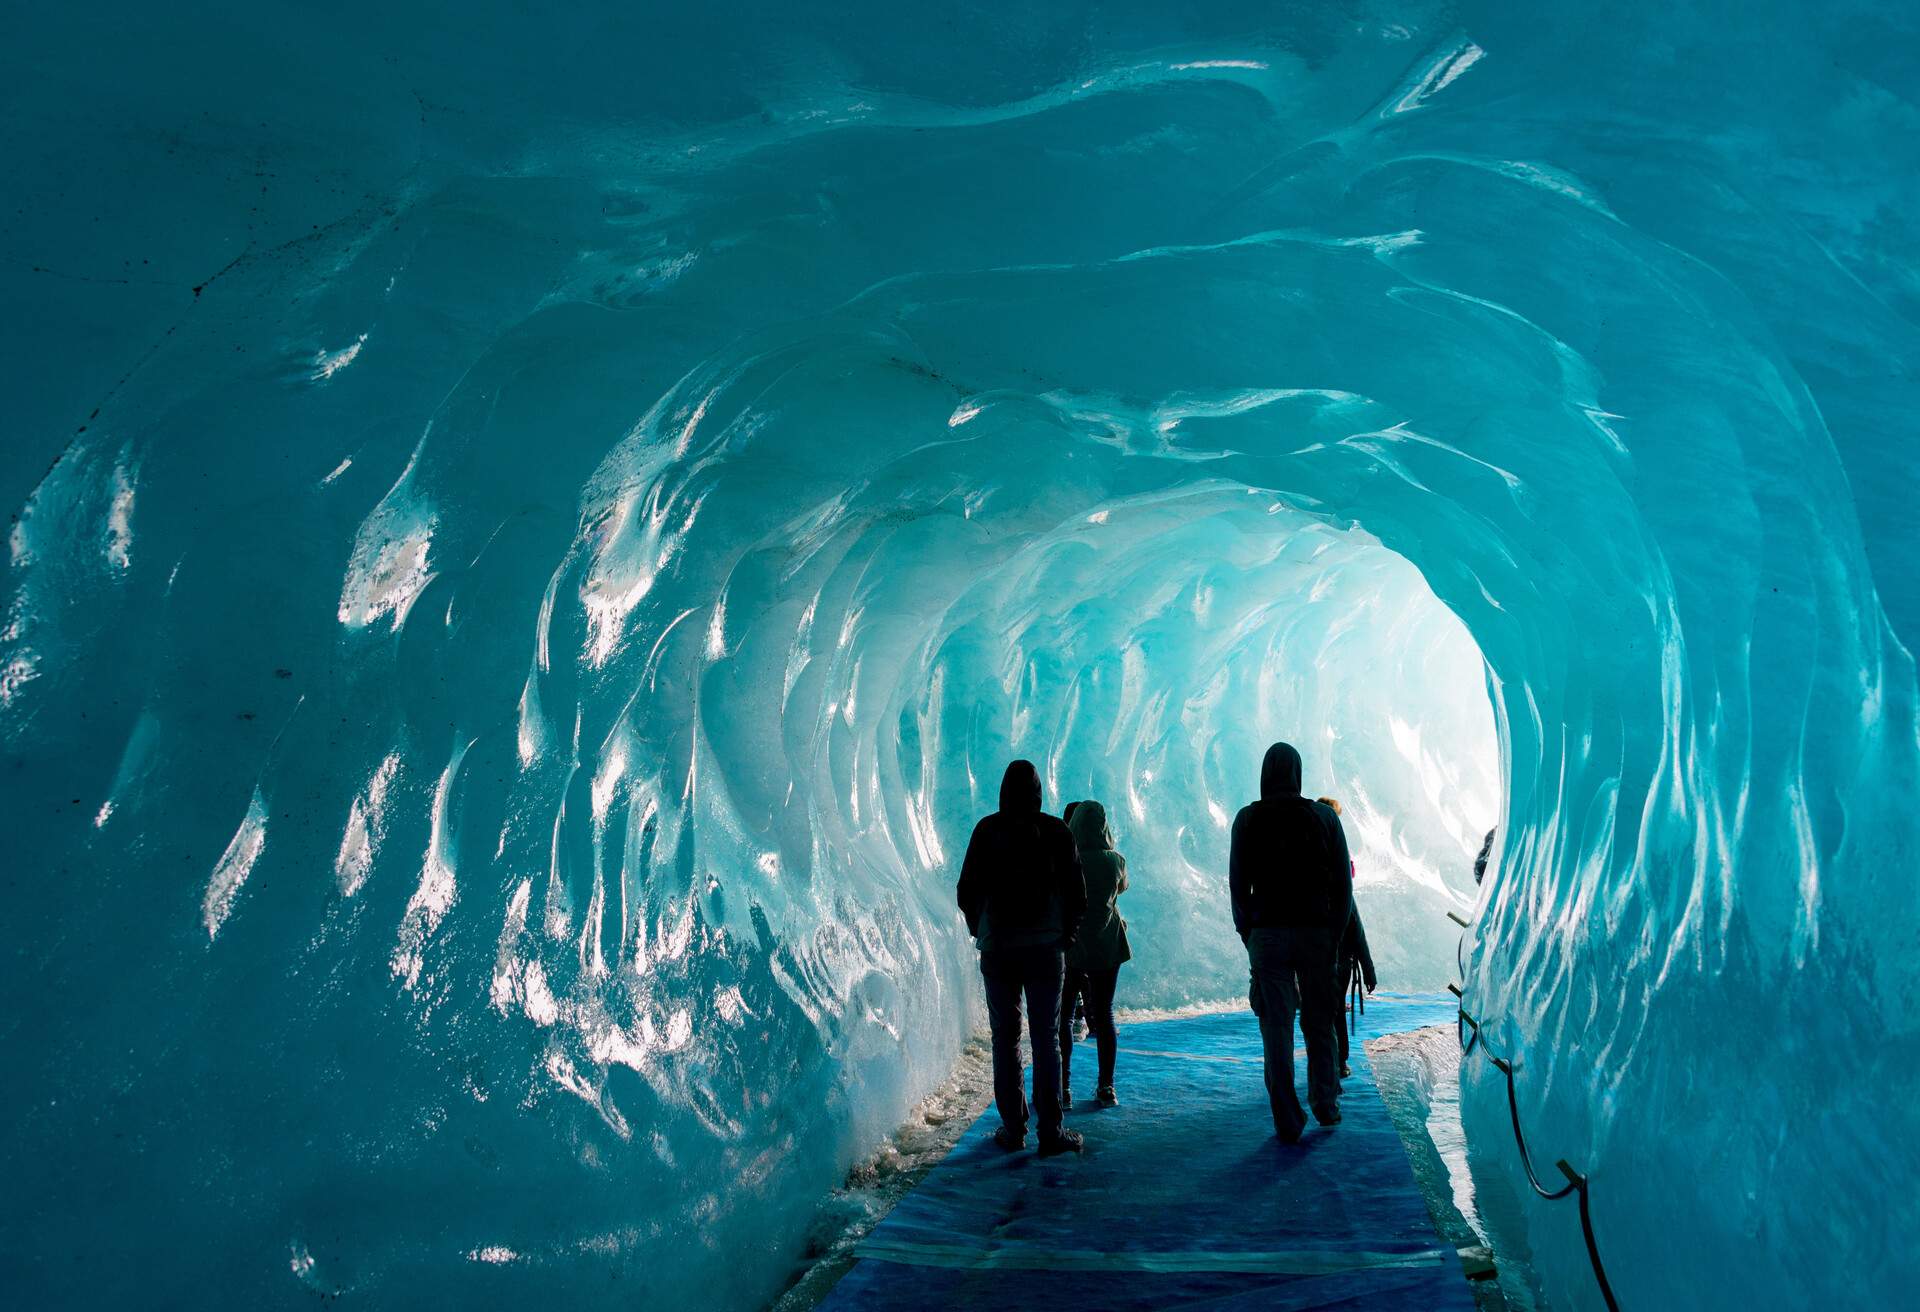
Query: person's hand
x=1369, y=987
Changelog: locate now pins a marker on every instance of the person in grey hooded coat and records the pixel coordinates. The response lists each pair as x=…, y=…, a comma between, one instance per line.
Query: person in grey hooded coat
x=1098, y=951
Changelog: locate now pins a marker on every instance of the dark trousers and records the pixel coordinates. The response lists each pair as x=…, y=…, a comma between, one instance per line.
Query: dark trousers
x=1293, y=971
x=1037, y=972
x=1096, y=986
x=1343, y=973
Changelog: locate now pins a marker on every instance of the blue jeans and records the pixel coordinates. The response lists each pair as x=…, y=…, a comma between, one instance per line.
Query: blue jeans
x=1037, y=972
x=1097, y=987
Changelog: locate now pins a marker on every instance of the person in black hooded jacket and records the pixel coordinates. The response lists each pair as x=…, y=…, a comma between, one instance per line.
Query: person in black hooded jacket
x=1292, y=888
x=1023, y=895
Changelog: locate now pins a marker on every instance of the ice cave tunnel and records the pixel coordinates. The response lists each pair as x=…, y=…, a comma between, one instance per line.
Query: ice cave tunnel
x=533, y=534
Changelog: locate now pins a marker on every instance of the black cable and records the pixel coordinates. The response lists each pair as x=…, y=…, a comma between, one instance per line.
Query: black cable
x=1505, y=1067
x=1593, y=1249
x=1576, y=1182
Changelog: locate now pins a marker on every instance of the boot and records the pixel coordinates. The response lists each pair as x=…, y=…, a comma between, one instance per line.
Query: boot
x=1061, y=1141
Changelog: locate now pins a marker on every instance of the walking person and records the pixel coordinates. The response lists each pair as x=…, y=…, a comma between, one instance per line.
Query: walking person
x=1291, y=883
x=1352, y=964
x=1023, y=896
x=1353, y=967
x=1098, y=951
x=1073, y=1002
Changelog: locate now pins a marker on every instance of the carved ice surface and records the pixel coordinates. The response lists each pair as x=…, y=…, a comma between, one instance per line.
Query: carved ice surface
x=534, y=536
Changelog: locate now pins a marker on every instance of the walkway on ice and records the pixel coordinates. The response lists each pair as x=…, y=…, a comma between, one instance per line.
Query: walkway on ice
x=1183, y=1199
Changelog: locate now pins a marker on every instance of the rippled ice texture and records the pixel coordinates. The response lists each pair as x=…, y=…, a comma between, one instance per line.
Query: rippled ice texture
x=534, y=536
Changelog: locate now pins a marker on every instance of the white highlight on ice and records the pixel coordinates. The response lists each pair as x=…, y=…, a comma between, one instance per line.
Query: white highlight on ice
x=1222, y=63
x=387, y=577
x=717, y=629
x=328, y=363
x=119, y=546
x=432, y=899
x=15, y=675
x=613, y=768
x=506, y=964
x=1439, y=75
x=366, y=827
x=235, y=864
x=390, y=565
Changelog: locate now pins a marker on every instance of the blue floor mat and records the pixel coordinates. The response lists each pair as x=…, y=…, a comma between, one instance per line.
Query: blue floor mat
x=1183, y=1199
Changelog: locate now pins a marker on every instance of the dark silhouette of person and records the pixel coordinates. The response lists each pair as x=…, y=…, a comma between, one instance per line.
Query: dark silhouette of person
x=1292, y=887
x=1098, y=951
x=1352, y=963
x=1486, y=854
x=1023, y=895
x=1073, y=1004
x=1353, y=967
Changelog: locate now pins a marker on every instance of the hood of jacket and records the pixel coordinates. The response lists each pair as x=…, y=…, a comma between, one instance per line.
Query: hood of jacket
x=1020, y=787
x=1089, y=826
x=1279, y=774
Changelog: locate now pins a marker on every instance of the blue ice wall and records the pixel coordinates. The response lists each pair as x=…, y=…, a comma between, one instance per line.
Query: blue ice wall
x=533, y=537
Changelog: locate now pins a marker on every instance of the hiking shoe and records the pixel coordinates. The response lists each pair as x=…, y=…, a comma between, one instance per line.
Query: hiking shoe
x=1327, y=1115
x=1105, y=1096
x=1289, y=1134
x=1010, y=1139
x=1063, y=1141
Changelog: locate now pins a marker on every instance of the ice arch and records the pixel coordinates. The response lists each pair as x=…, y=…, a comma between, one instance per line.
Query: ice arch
x=522, y=528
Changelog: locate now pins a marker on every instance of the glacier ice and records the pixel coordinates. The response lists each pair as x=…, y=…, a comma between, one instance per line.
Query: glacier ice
x=534, y=535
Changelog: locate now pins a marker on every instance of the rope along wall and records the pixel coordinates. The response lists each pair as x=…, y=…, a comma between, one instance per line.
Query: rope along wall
x=1577, y=1183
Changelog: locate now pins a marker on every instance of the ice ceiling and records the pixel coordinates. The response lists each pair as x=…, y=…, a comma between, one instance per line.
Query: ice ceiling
x=534, y=536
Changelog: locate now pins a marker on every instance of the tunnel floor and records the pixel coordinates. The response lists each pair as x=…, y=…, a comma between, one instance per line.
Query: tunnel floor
x=1183, y=1197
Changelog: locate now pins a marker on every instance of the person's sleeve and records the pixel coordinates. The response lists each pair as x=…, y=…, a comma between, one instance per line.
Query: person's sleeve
x=1121, y=885
x=1364, y=953
x=1239, y=885
x=1340, y=876
x=971, y=892
x=1073, y=894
